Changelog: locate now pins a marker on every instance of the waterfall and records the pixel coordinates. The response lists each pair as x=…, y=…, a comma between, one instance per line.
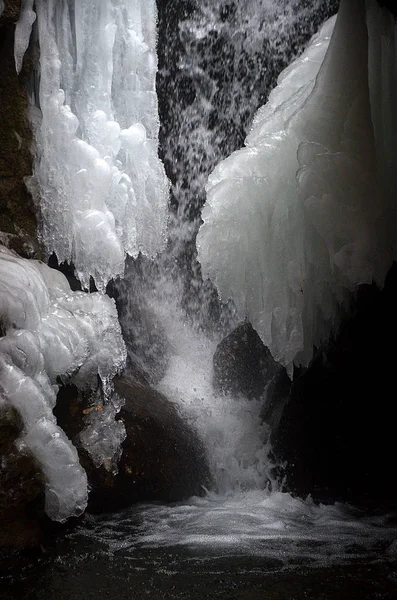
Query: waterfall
x=266, y=243
x=102, y=193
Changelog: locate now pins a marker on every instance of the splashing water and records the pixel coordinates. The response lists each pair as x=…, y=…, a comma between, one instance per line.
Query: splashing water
x=242, y=516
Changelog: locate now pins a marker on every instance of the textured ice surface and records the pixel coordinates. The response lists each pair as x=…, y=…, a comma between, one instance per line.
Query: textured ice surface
x=23, y=30
x=103, y=434
x=102, y=188
x=52, y=332
x=219, y=61
x=293, y=221
x=1, y=7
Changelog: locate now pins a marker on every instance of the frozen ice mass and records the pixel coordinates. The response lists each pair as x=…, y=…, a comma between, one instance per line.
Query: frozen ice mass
x=296, y=219
x=103, y=190
x=50, y=333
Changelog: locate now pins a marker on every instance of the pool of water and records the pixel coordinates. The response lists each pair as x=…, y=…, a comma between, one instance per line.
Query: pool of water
x=247, y=545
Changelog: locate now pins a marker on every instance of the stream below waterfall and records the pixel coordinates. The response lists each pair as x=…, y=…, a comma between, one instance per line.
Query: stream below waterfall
x=242, y=541
x=248, y=545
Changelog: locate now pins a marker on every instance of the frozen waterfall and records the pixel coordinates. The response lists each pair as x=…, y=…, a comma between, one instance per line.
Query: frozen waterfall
x=101, y=187
x=292, y=225
x=101, y=192
x=294, y=221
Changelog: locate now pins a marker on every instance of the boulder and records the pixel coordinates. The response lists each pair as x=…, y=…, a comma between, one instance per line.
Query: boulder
x=18, y=222
x=145, y=339
x=162, y=458
x=21, y=490
x=243, y=365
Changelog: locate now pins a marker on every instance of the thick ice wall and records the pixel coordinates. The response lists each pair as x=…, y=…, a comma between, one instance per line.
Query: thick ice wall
x=52, y=332
x=293, y=221
x=103, y=190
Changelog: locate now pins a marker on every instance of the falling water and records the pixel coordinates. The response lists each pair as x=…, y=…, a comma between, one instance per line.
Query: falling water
x=218, y=62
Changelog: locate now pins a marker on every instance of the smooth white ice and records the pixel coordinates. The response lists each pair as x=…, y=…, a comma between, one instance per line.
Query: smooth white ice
x=52, y=332
x=293, y=222
x=101, y=187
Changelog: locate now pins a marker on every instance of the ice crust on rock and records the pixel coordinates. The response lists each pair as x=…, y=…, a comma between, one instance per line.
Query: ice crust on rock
x=294, y=221
x=102, y=188
x=103, y=434
x=52, y=332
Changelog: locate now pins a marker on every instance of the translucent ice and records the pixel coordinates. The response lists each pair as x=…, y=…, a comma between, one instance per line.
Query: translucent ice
x=23, y=30
x=293, y=222
x=51, y=332
x=103, y=434
x=102, y=189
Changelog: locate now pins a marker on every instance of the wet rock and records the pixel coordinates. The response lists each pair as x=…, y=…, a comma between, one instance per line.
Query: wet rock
x=243, y=365
x=147, y=346
x=337, y=432
x=162, y=458
x=18, y=221
x=21, y=490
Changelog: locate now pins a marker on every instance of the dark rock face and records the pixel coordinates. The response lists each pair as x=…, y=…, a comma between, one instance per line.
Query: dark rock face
x=147, y=346
x=390, y=5
x=240, y=363
x=244, y=366
x=21, y=490
x=162, y=458
x=17, y=213
x=337, y=432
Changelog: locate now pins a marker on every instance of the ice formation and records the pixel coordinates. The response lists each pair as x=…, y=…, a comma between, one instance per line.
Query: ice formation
x=102, y=189
x=103, y=434
x=295, y=220
x=51, y=332
x=1, y=7
x=23, y=30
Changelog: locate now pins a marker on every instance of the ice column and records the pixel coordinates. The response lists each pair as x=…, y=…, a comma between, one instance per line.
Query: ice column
x=293, y=222
x=102, y=189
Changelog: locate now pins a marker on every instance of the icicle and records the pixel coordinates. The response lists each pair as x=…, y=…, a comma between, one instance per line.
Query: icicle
x=103, y=190
x=23, y=30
